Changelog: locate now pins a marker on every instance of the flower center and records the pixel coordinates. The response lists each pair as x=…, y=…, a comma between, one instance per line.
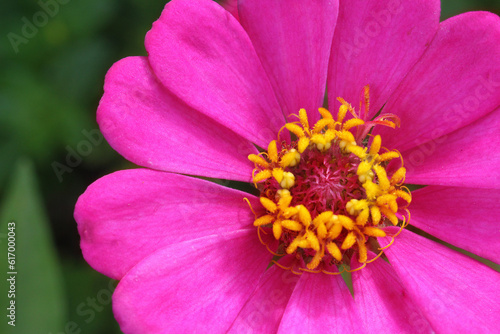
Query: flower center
x=327, y=194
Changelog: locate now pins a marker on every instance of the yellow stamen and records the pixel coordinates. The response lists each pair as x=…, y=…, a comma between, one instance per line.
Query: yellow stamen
x=376, y=144
x=277, y=230
x=316, y=259
x=398, y=176
x=335, y=231
x=349, y=241
x=293, y=246
x=290, y=212
x=295, y=129
x=363, y=252
x=383, y=181
x=372, y=190
x=353, y=122
x=362, y=218
x=321, y=231
x=303, y=119
x=290, y=159
x=288, y=180
x=268, y=204
x=278, y=174
x=372, y=196
x=325, y=113
x=358, y=151
x=292, y=225
x=262, y=175
x=342, y=112
x=349, y=108
x=375, y=213
x=367, y=177
x=404, y=195
x=346, y=222
x=374, y=232
x=258, y=160
x=282, y=193
x=334, y=250
x=321, y=124
x=389, y=214
x=322, y=218
x=313, y=240
x=272, y=151
x=303, y=144
x=264, y=220
x=304, y=215
x=388, y=156
x=321, y=142
x=363, y=169
x=284, y=201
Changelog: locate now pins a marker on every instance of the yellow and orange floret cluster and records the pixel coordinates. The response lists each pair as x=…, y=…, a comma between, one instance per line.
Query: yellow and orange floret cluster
x=326, y=195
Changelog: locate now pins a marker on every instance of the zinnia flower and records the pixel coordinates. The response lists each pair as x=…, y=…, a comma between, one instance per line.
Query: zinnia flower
x=192, y=255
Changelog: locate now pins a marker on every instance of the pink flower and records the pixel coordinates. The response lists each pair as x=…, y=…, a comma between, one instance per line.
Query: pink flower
x=186, y=251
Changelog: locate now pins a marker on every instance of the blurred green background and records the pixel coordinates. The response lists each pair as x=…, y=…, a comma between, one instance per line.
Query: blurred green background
x=50, y=86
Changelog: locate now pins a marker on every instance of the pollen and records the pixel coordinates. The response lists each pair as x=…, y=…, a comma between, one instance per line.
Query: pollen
x=331, y=191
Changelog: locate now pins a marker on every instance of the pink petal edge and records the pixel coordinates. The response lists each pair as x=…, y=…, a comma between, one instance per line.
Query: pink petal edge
x=127, y=215
x=376, y=43
x=231, y=6
x=200, y=52
x=382, y=301
x=455, y=293
x=264, y=310
x=194, y=286
x=321, y=303
x=152, y=128
x=464, y=217
x=293, y=41
x=454, y=83
x=468, y=157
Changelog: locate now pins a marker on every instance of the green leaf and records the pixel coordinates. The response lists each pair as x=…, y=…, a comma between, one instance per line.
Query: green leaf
x=39, y=300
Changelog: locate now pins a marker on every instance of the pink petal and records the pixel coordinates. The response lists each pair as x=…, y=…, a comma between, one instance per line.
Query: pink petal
x=468, y=157
x=150, y=127
x=321, y=304
x=454, y=292
x=383, y=302
x=200, y=52
x=454, y=83
x=464, y=217
x=194, y=286
x=231, y=6
x=376, y=43
x=262, y=313
x=125, y=216
x=293, y=40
